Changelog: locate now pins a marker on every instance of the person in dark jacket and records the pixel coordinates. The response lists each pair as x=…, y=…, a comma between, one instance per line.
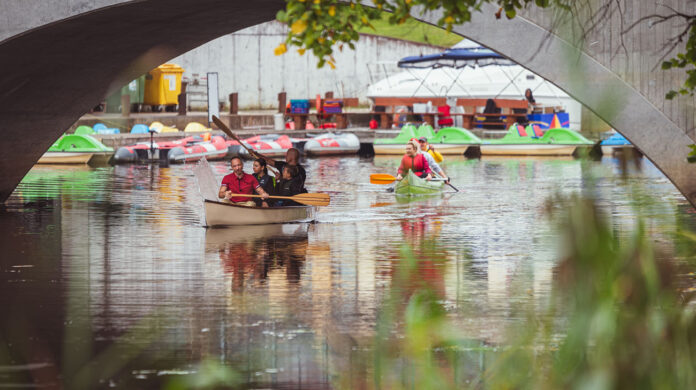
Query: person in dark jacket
x=266, y=181
x=292, y=158
x=289, y=184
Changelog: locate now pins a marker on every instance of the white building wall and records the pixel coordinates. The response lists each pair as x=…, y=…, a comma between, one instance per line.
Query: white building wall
x=247, y=65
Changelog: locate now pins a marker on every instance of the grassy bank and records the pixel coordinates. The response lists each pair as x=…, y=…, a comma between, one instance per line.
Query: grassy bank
x=413, y=31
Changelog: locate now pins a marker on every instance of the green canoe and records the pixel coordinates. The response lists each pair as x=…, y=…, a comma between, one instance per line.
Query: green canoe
x=414, y=185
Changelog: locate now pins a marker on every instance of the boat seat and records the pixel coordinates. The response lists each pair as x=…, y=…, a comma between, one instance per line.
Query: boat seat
x=538, y=132
x=140, y=129
x=521, y=131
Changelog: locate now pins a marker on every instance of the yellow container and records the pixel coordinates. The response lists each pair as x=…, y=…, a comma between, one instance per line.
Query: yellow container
x=163, y=85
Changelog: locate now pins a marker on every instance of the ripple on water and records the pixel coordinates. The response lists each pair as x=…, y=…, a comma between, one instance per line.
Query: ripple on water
x=119, y=255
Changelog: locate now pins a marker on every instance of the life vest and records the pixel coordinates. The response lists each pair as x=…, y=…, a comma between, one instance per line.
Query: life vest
x=436, y=155
x=418, y=164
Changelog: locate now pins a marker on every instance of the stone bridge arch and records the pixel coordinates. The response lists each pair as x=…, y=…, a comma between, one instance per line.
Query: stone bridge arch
x=73, y=53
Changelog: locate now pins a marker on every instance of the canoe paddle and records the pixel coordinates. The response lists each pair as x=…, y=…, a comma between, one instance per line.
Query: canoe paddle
x=385, y=178
x=309, y=199
x=229, y=133
x=232, y=135
x=382, y=178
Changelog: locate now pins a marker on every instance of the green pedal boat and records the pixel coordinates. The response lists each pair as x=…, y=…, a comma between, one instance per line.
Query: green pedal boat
x=414, y=185
x=76, y=149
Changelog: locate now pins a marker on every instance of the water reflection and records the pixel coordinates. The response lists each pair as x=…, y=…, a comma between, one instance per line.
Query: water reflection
x=96, y=256
x=252, y=254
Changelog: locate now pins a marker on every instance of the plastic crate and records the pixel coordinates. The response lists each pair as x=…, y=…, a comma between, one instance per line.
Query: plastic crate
x=333, y=106
x=299, y=106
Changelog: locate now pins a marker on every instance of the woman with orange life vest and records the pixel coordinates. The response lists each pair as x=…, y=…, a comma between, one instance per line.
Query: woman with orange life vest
x=414, y=161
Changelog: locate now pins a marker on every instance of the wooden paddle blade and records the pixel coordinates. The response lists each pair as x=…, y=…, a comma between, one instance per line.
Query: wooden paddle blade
x=230, y=134
x=225, y=129
x=312, y=199
x=381, y=178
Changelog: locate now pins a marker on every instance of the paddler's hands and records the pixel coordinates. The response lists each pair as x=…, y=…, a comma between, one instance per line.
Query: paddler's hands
x=429, y=177
x=228, y=194
x=399, y=177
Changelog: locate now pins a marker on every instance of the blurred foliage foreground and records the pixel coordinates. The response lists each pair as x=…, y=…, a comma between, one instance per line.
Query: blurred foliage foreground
x=621, y=316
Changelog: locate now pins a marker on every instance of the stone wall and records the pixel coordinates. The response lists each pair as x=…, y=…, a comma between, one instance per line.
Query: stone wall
x=245, y=64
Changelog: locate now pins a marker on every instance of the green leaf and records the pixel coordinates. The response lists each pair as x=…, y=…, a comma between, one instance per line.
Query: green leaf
x=670, y=95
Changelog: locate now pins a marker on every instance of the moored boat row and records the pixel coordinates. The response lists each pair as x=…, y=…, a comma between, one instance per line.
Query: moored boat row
x=518, y=141
x=187, y=149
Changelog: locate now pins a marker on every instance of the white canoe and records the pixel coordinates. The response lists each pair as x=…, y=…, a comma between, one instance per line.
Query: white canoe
x=528, y=149
x=399, y=149
x=225, y=214
x=65, y=158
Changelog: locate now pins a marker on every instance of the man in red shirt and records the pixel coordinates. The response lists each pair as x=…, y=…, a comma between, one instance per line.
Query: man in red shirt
x=239, y=182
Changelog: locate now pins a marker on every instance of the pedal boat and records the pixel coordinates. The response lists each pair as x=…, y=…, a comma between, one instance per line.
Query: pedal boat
x=448, y=140
x=533, y=141
x=75, y=149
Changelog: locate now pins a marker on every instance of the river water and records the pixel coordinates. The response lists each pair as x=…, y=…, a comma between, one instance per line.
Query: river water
x=108, y=277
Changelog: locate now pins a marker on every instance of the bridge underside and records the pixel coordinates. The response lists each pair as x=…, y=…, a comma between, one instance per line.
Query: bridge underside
x=53, y=74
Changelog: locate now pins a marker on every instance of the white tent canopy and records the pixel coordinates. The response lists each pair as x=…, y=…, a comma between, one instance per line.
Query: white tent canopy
x=502, y=80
